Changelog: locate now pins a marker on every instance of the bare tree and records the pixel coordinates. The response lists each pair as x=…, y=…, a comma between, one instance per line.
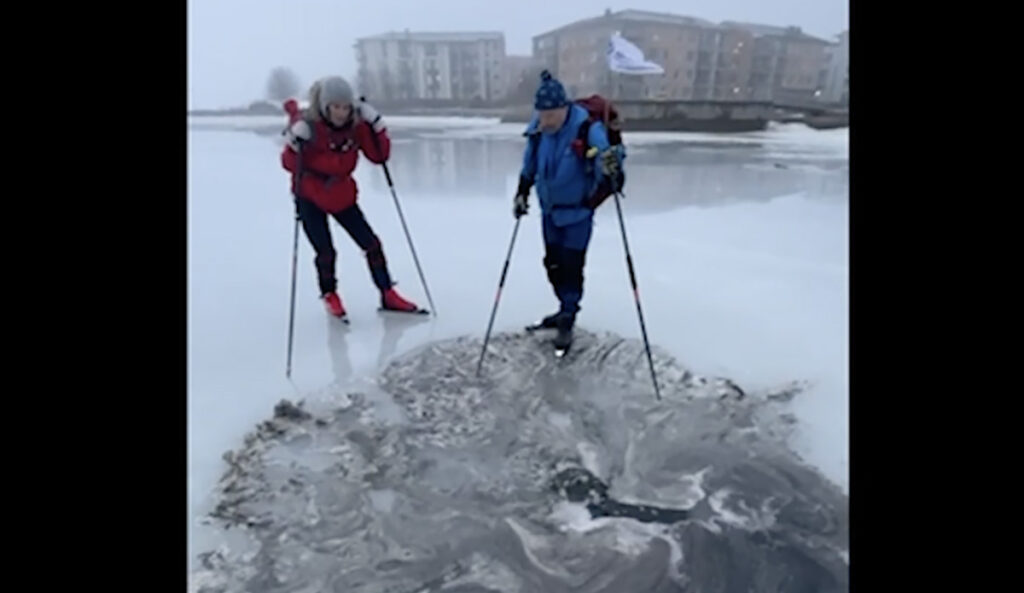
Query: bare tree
x=282, y=84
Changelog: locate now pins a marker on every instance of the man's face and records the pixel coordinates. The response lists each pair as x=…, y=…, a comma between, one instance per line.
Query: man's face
x=339, y=113
x=551, y=120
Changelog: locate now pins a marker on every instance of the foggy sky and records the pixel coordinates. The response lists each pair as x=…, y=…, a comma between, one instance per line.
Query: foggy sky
x=233, y=44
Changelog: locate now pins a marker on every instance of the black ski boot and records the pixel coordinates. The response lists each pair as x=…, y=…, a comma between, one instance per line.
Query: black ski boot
x=549, y=322
x=564, y=338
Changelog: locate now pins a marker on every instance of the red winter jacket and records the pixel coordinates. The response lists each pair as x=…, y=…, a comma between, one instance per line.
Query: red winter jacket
x=329, y=159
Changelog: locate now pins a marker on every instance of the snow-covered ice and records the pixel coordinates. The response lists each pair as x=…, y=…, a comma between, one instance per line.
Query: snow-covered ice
x=740, y=243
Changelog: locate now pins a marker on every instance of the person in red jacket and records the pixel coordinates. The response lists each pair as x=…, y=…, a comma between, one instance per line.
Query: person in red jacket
x=322, y=151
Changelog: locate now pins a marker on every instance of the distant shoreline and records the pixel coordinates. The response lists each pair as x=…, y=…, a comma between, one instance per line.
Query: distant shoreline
x=232, y=112
x=713, y=121
x=263, y=111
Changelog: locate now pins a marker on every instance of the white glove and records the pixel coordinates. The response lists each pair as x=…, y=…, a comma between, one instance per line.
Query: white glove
x=610, y=162
x=298, y=132
x=370, y=115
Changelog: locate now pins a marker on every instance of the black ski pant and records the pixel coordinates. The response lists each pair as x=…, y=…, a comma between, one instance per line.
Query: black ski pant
x=314, y=223
x=565, y=254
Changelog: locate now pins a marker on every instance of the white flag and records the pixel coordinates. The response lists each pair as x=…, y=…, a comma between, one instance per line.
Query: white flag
x=627, y=58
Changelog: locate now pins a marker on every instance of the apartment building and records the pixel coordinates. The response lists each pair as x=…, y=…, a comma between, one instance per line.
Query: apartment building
x=462, y=67
x=724, y=64
x=702, y=60
x=836, y=76
x=576, y=53
x=786, y=63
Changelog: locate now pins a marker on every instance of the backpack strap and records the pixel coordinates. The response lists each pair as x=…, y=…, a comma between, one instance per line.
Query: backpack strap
x=608, y=186
x=584, y=131
x=583, y=135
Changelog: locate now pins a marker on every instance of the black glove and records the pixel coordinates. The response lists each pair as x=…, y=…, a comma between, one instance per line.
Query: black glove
x=520, y=204
x=619, y=182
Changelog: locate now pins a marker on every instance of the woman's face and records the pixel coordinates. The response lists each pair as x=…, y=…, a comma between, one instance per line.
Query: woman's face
x=339, y=112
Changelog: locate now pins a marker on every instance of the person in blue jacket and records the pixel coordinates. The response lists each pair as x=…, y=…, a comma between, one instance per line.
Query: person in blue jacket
x=571, y=175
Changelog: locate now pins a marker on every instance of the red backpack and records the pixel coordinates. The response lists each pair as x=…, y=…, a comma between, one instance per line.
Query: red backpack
x=602, y=110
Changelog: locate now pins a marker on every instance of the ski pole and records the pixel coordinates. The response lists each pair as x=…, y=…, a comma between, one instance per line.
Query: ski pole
x=291, y=107
x=636, y=294
x=291, y=316
x=398, y=206
x=497, y=296
x=629, y=265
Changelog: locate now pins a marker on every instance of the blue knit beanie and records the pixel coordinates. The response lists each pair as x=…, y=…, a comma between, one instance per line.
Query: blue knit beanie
x=550, y=94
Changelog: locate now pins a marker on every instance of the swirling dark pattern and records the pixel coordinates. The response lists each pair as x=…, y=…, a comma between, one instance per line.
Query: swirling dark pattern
x=541, y=475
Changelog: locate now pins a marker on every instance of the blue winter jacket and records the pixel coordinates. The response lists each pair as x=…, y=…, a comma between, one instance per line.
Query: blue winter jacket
x=558, y=174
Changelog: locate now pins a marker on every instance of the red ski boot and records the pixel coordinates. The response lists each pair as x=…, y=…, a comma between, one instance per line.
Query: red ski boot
x=392, y=301
x=333, y=304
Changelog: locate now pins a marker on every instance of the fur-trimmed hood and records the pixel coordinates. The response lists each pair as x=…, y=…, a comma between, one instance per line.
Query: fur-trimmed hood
x=312, y=111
